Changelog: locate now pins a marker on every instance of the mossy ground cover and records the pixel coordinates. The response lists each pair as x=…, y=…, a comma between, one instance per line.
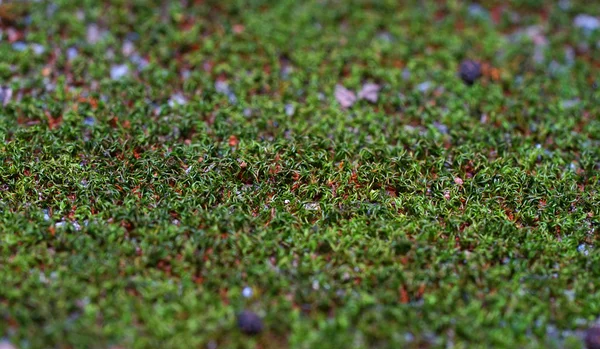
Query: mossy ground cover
x=166, y=165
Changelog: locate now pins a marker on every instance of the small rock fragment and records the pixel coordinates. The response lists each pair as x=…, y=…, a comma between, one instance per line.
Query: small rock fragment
x=441, y=127
x=247, y=292
x=139, y=61
x=249, y=323
x=406, y=74
x=424, y=86
x=93, y=34
x=38, y=49
x=369, y=92
x=345, y=97
x=592, y=337
x=118, y=71
x=587, y=22
x=564, y=4
x=470, y=71
x=223, y=87
x=72, y=53
x=290, y=109
x=89, y=121
x=6, y=345
x=477, y=11
x=583, y=249
x=177, y=99
x=5, y=95
x=312, y=206
x=19, y=46
x=128, y=48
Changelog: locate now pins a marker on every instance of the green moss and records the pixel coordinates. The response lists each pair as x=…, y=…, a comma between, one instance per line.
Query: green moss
x=439, y=215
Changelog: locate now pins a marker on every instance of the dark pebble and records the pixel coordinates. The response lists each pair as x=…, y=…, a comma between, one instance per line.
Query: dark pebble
x=592, y=338
x=249, y=322
x=470, y=71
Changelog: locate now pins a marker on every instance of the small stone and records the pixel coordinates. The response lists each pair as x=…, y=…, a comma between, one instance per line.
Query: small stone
x=71, y=53
x=5, y=95
x=118, y=71
x=564, y=4
x=19, y=46
x=89, y=121
x=6, y=345
x=592, y=337
x=424, y=86
x=477, y=11
x=290, y=109
x=247, y=292
x=38, y=49
x=583, y=249
x=570, y=103
x=587, y=22
x=222, y=87
x=249, y=323
x=470, y=71
x=441, y=127
x=345, y=97
x=369, y=92
x=128, y=48
x=405, y=74
x=93, y=34
x=177, y=99
x=312, y=206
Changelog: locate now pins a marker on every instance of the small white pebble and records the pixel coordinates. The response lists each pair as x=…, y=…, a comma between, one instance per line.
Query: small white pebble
x=312, y=206
x=247, y=292
x=139, y=61
x=176, y=99
x=6, y=345
x=315, y=285
x=587, y=22
x=38, y=49
x=19, y=46
x=405, y=74
x=72, y=53
x=222, y=87
x=127, y=48
x=344, y=97
x=369, y=92
x=289, y=109
x=93, y=34
x=424, y=86
x=5, y=95
x=570, y=103
x=118, y=71
x=583, y=248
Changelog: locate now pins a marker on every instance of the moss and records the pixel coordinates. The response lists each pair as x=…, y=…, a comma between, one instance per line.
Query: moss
x=135, y=209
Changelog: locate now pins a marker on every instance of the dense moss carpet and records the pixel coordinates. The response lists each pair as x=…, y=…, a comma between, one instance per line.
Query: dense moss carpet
x=299, y=174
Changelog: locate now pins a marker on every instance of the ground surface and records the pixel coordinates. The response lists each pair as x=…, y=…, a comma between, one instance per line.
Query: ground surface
x=168, y=164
